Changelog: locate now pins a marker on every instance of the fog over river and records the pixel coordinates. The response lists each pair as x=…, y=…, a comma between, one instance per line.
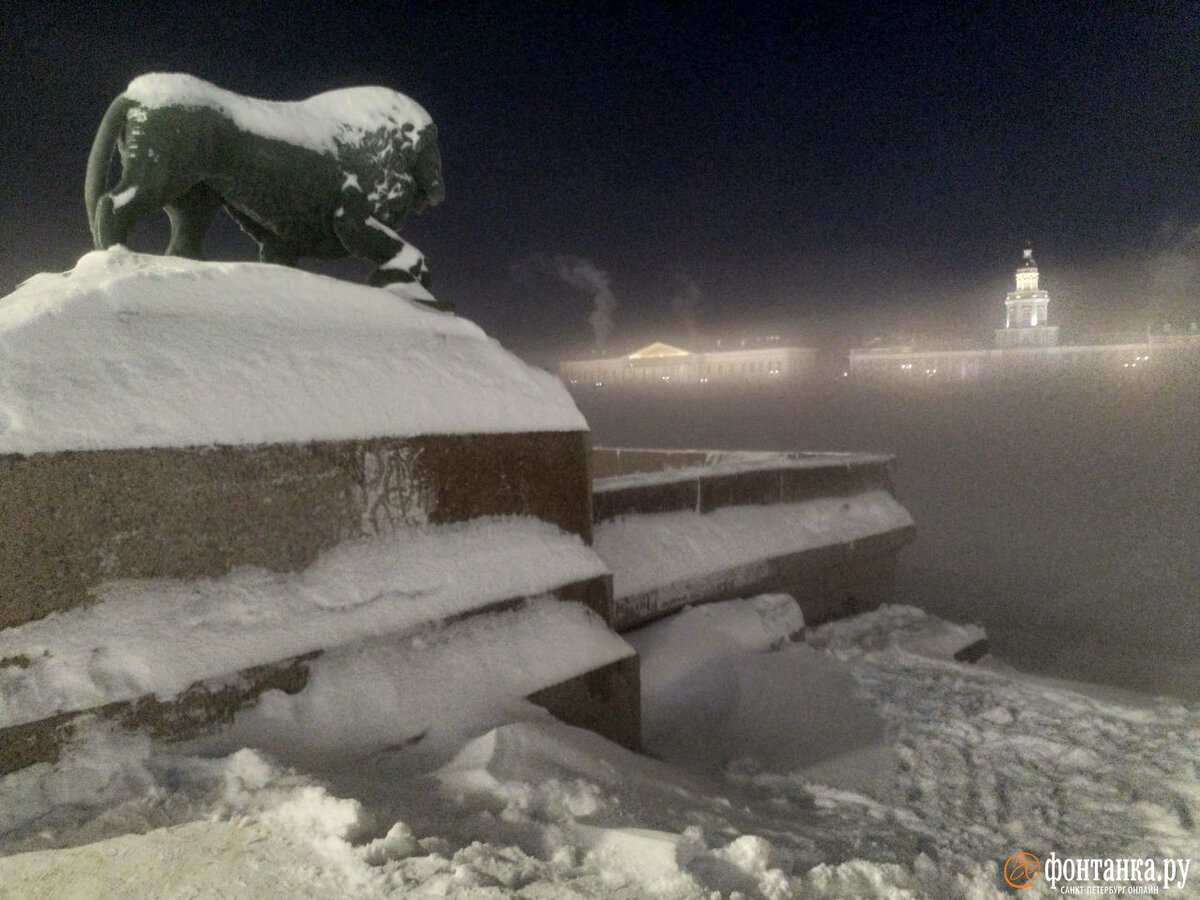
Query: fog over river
x=1062, y=515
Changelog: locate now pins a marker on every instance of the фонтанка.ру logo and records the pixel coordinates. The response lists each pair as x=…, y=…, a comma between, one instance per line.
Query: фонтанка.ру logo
x=1021, y=869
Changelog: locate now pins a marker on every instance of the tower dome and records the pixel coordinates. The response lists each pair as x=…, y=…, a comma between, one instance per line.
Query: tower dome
x=1027, y=272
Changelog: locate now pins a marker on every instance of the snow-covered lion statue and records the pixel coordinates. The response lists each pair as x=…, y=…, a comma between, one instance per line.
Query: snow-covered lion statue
x=331, y=176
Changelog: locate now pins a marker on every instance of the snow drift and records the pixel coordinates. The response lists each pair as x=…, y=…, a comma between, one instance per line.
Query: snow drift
x=987, y=761
x=131, y=350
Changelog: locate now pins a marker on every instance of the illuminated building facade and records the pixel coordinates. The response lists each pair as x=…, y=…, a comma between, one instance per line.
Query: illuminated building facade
x=1027, y=311
x=1026, y=345
x=664, y=365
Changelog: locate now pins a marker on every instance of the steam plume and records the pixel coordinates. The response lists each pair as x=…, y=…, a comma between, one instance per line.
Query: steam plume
x=586, y=276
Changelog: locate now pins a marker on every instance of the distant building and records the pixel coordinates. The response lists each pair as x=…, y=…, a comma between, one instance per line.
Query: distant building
x=1027, y=311
x=664, y=365
x=1027, y=344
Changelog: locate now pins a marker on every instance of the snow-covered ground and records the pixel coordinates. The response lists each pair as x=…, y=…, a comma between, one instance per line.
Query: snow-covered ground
x=862, y=763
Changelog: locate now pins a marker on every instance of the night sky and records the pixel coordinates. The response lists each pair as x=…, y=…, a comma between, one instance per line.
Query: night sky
x=832, y=172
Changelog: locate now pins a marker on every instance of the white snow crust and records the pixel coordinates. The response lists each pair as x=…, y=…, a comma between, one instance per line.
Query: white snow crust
x=157, y=636
x=318, y=123
x=984, y=762
x=652, y=551
x=132, y=350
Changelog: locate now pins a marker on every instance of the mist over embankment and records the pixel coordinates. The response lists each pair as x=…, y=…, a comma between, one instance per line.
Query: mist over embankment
x=1063, y=515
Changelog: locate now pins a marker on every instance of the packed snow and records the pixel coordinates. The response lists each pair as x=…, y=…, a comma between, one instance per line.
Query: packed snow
x=133, y=350
x=969, y=765
x=319, y=122
x=708, y=665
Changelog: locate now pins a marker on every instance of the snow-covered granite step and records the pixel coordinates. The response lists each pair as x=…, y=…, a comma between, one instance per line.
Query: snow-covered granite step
x=158, y=636
x=181, y=657
x=663, y=561
x=396, y=691
x=387, y=691
x=166, y=417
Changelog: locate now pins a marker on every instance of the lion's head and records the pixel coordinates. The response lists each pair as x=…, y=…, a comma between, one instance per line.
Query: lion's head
x=427, y=172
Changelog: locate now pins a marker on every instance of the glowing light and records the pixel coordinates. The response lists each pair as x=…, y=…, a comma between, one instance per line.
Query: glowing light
x=657, y=350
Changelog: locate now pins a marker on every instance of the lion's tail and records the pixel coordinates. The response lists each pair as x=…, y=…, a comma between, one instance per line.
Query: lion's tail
x=96, y=181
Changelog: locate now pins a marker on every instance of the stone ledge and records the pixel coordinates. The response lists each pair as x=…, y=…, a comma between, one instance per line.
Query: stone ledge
x=761, y=479
x=69, y=521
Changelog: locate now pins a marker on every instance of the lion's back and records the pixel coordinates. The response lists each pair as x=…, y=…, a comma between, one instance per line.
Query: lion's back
x=324, y=123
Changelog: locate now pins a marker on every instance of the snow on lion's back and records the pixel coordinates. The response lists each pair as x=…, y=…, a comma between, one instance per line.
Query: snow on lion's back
x=316, y=123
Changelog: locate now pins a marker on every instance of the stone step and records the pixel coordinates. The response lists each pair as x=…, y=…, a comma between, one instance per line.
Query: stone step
x=594, y=691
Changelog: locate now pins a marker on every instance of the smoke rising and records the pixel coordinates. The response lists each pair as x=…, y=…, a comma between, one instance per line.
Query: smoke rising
x=586, y=276
x=583, y=275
